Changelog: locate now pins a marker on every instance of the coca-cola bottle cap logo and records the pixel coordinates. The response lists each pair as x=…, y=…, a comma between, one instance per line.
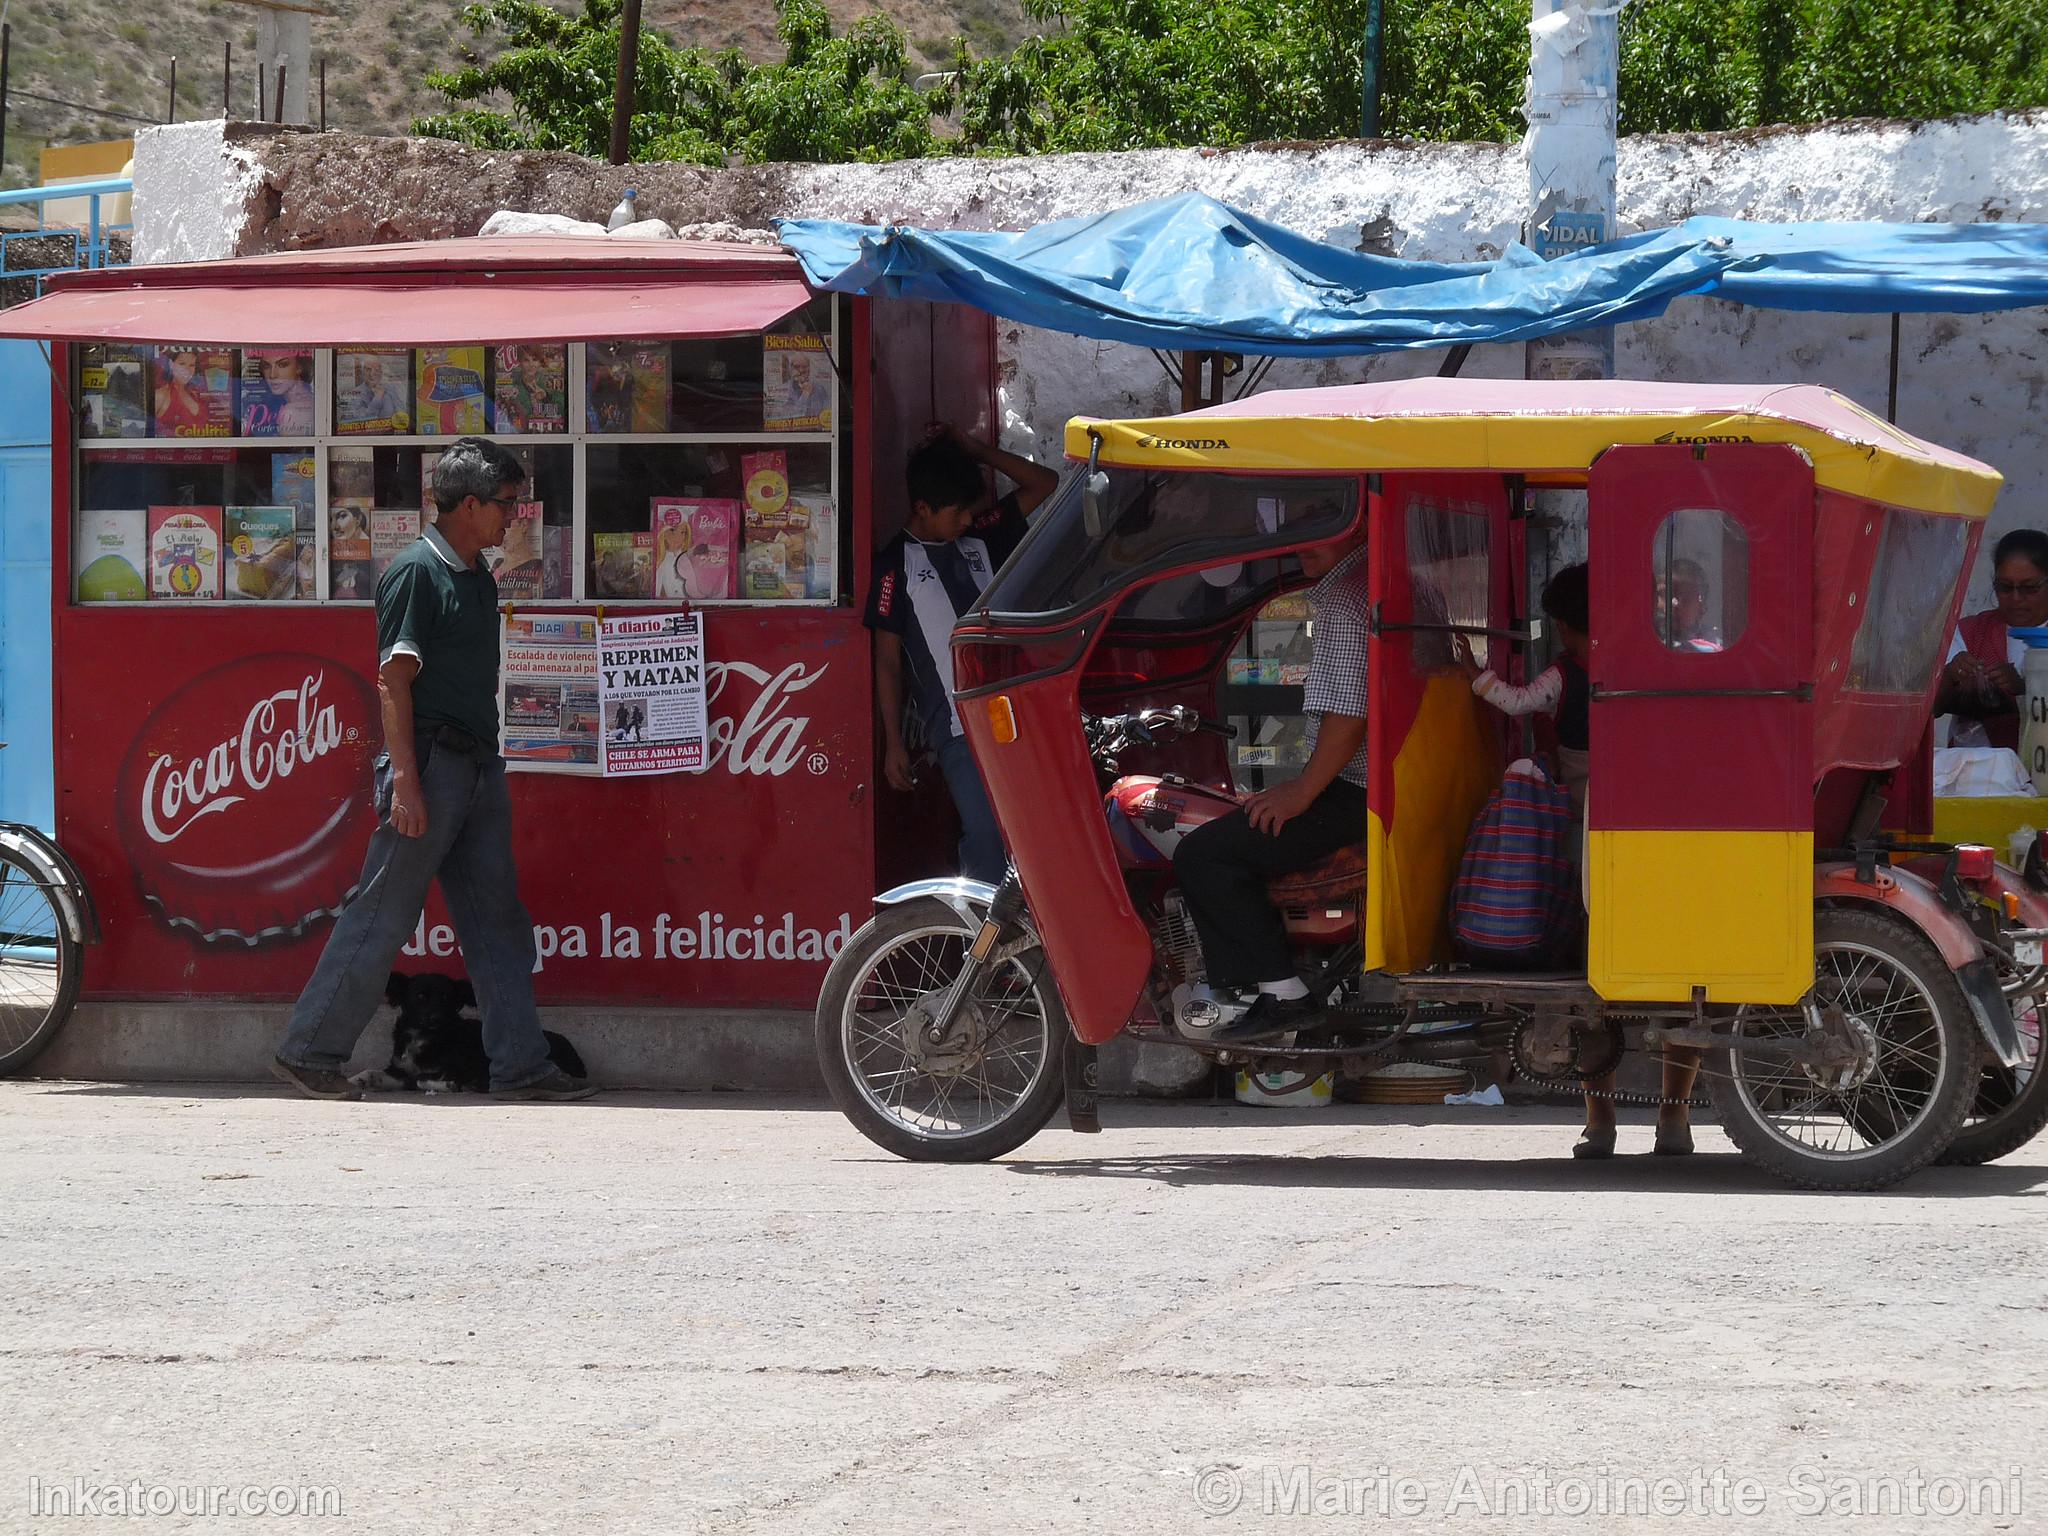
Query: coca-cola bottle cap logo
x=244, y=800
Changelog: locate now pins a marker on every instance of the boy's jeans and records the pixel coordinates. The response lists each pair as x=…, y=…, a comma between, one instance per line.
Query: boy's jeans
x=468, y=843
x=981, y=840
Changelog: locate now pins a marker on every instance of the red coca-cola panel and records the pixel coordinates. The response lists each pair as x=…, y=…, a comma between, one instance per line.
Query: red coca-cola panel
x=213, y=776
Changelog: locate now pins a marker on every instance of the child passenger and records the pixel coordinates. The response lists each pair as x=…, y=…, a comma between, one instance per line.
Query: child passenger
x=1562, y=692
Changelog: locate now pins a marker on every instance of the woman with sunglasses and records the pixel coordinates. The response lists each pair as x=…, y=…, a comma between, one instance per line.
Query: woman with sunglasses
x=1981, y=684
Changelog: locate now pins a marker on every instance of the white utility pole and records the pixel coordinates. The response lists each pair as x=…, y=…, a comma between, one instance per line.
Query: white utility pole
x=1574, y=73
x=284, y=37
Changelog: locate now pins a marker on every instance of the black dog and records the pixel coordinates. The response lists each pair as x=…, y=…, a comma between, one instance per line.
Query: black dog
x=436, y=1047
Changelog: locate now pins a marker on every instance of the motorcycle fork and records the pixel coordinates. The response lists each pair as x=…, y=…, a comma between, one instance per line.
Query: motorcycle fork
x=1003, y=910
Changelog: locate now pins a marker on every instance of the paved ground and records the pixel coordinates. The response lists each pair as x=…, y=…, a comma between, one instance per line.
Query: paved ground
x=725, y=1314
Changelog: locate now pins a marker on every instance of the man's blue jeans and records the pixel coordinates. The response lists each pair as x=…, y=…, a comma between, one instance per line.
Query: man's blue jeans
x=981, y=840
x=468, y=844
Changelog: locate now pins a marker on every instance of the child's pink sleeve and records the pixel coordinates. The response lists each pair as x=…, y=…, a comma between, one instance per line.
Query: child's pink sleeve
x=1538, y=698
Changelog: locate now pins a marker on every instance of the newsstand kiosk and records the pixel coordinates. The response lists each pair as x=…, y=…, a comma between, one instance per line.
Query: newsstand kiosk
x=215, y=708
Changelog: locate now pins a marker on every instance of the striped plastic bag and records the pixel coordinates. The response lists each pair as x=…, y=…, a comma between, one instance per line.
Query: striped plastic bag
x=1515, y=903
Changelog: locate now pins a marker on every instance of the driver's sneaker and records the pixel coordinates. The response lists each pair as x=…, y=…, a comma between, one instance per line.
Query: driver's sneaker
x=556, y=1087
x=1273, y=1018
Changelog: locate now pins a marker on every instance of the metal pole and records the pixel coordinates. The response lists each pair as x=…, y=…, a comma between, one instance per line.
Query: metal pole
x=622, y=90
x=1891, y=399
x=1574, y=70
x=227, y=79
x=262, y=103
x=171, y=112
x=1375, y=33
x=323, y=93
x=277, y=98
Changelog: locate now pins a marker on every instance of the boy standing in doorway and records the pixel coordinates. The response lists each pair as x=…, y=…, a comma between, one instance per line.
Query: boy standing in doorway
x=952, y=544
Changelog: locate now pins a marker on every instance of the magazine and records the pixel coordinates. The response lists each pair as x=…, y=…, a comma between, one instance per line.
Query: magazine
x=627, y=386
x=111, y=555
x=262, y=553
x=531, y=389
x=774, y=554
x=796, y=384
x=451, y=391
x=694, y=545
x=184, y=552
x=195, y=392
x=277, y=392
x=556, y=555
x=351, y=491
x=113, y=391
x=392, y=531
x=372, y=390
x=291, y=485
x=517, y=562
x=622, y=565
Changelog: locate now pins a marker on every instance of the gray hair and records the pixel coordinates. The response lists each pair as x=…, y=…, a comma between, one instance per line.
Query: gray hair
x=474, y=466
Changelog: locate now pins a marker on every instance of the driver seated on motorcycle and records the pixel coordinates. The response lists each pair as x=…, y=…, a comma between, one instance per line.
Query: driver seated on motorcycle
x=1224, y=864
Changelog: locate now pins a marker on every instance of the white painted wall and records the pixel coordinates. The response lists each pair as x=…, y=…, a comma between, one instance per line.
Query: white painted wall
x=1975, y=383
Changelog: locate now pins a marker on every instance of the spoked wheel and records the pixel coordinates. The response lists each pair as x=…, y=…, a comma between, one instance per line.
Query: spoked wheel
x=39, y=965
x=2011, y=1105
x=1901, y=1069
x=984, y=1087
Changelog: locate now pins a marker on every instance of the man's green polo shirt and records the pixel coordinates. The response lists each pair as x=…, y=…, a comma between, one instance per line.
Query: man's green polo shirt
x=432, y=607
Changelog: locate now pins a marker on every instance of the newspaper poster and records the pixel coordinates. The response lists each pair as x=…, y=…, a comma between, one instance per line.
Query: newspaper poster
x=547, y=693
x=650, y=699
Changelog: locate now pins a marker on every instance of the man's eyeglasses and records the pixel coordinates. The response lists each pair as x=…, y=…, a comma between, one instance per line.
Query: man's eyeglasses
x=510, y=503
x=2018, y=588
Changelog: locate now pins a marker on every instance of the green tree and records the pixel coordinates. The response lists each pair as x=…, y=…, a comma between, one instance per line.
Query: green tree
x=1132, y=74
x=830, y=98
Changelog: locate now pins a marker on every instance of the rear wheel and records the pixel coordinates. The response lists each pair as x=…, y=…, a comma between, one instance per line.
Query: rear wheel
x=40, y=965
x=985, y=1088
x=2011, y=1106
x=1902, y=1078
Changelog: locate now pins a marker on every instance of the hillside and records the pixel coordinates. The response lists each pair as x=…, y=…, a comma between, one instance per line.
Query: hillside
x=377, y=51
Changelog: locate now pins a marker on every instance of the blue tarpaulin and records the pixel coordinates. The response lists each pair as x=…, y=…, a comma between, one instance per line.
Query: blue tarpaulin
x=1189, y=272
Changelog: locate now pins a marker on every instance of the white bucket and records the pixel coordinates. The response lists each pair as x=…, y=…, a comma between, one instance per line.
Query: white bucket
x=1284, y=1090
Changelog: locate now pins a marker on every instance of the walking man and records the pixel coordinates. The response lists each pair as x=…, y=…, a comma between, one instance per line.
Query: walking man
x=442, y=806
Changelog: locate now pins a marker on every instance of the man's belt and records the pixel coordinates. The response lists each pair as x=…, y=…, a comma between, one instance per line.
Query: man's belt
x=456, y=739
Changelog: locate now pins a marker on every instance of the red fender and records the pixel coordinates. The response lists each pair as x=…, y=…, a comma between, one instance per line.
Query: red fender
x=1911, y=896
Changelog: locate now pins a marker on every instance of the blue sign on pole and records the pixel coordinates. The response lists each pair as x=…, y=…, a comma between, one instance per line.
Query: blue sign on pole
x=1566, y=232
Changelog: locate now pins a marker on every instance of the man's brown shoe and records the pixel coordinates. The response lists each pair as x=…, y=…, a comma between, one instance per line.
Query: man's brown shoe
x=315, y=1082
x=557, y=1087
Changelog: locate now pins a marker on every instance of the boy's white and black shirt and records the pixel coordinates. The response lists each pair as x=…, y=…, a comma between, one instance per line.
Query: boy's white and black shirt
x=919, y=592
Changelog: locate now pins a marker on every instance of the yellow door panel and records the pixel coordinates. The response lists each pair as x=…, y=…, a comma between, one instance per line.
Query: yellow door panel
x=1728, y=911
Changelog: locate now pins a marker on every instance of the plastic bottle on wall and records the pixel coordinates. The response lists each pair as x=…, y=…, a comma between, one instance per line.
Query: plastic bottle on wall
x=626, y=213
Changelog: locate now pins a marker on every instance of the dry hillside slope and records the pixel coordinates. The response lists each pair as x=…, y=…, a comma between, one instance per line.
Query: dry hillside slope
x=378, y=52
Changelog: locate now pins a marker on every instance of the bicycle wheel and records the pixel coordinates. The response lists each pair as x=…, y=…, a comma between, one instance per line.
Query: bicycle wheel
x=39, y=965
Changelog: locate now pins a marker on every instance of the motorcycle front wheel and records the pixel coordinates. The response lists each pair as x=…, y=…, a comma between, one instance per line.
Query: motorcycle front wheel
x=986, y=1087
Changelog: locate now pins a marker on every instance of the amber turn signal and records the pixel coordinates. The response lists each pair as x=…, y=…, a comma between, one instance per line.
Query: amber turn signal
x=2011, y=901
x=1002, y=720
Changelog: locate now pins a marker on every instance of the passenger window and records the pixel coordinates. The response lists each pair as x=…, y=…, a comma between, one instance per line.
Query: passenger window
x=1450, y=576
x=1700, y=571
x=1900, y=641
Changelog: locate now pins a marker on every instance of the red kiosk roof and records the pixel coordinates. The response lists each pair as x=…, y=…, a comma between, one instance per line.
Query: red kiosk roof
x=501, y=289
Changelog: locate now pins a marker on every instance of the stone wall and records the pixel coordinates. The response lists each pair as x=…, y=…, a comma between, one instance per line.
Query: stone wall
x=1975, y=383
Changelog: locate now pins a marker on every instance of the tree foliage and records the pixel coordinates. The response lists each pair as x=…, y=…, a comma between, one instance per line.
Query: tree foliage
x=1129, y=74
x=830, y=98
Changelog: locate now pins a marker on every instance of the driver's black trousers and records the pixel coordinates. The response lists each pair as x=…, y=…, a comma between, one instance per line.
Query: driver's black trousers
x=1224, y=865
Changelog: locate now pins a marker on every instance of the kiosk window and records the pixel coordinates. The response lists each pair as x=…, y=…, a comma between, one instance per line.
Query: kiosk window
x=295, y=474
x=1700, y=572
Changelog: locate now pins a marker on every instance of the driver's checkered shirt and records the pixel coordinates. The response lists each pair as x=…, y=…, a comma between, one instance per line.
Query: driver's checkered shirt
x=1336, y=672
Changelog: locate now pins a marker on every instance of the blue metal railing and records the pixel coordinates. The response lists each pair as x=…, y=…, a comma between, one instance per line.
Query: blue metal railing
x=89, y=245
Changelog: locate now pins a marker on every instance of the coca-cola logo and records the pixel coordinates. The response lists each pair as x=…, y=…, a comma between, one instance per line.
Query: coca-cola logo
x=242, y=796
x=765, y=735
